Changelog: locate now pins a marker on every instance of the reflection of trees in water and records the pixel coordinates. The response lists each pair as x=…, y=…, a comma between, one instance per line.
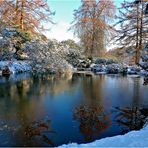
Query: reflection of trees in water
x=35, y=87
x=20, y=102
x=131, y=118
x=134, y=117
x=22, y=93
x=93, y=121
x=91, y=113
x=92, y=90
x=36, y=133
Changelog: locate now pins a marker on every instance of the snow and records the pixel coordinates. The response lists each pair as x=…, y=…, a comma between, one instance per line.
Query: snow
x=16, y=66
x=131, y=139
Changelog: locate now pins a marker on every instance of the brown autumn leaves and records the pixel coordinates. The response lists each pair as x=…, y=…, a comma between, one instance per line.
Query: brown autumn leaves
x=27, y=15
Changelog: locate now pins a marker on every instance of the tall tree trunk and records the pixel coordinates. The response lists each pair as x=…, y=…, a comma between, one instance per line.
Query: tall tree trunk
x=137, y=36
x=22, y=15
x=93, y=31
x=141, y=33
x=16, y=8
x=17, y=12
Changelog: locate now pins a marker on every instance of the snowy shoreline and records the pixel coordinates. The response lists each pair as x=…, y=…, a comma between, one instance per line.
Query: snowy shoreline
x=131, y=139
x=16, y=67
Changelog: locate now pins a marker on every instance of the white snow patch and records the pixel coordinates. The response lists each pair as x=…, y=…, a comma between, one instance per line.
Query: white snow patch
x=131, y=139
x=16, y=66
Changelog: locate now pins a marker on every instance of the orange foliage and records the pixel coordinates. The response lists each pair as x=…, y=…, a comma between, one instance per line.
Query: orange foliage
x=26, y=14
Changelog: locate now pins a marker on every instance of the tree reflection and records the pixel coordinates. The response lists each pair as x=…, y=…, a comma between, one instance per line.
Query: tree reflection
x=93, y=117
x=37, y=132
x=131, y=118
x=134, y=117
x=93, y=121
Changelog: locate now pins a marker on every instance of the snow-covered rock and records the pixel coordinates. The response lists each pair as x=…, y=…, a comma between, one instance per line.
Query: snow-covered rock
x=9, y=32
x=133, y=70
x=116, y=68
x=16, y=66
x=98, y=68
x=84, y=63
x=102, y=65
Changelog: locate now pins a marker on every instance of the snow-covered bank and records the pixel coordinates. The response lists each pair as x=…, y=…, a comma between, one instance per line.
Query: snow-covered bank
x=16, y=66
x=131, y=139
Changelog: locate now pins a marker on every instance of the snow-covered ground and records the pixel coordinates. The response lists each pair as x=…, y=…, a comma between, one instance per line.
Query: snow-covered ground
x=131, y=139
x=16, y=66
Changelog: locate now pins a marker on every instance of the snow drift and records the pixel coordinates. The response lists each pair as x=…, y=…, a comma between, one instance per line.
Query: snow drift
x=131, y=139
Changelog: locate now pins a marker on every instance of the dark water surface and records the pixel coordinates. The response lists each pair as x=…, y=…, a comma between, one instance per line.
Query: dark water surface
x=50, y=111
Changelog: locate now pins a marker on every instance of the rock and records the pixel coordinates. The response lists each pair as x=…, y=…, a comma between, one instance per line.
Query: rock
x=6, y=71
x=145, y=81
x=144, y=73
x=22, y=56
x=133, y=70
x=112, y=69
x=109, y=68
x=15, y=67
x=116, y=68
x=84, y=63
x=98, y=68
x=8, y=32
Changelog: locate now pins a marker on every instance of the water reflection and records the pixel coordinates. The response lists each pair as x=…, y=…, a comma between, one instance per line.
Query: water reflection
x=36, y=132
x=134, y=117
x=131, y=118
x=35, y=111
x=91, y=113
x=93, y=121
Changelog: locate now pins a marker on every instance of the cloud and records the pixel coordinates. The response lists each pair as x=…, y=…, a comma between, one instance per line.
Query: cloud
x=60, y=32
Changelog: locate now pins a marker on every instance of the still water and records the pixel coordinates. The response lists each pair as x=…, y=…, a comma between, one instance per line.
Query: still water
x=50, y=111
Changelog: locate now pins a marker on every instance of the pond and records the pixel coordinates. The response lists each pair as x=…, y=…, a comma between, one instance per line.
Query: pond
x=51, y=111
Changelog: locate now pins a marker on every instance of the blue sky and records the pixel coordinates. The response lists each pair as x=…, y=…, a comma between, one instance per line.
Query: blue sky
x=64, y=16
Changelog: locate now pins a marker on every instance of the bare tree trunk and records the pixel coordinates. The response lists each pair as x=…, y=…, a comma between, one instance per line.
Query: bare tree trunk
x=93, y=31
x=17, y=12
x=22, y=15
x=141, y=34
x=16, y=8
x=137, y=36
